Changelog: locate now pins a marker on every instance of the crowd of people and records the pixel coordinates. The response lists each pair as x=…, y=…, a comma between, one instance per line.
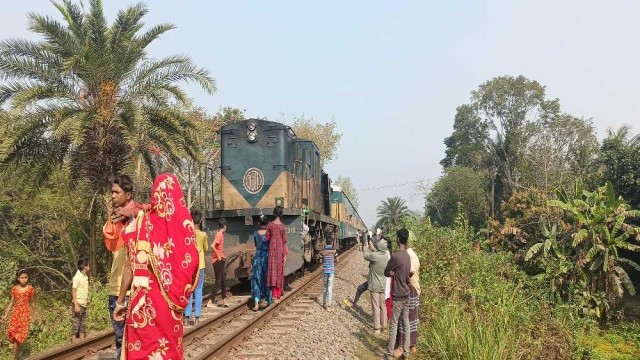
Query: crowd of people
x=393, y=283
x=157, y=273
x=158, y=270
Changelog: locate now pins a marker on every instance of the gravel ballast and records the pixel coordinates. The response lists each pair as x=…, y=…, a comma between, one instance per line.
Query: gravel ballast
x=336, y=333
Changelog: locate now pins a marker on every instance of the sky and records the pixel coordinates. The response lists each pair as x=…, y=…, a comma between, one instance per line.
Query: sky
x=391, y=73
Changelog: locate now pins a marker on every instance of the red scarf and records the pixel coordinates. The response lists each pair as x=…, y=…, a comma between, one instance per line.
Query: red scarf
x=162, y=249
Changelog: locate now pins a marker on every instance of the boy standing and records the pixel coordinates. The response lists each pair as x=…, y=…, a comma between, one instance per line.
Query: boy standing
x=219, y=269
x=80, y=295
x=329, y=258
x=202, y=245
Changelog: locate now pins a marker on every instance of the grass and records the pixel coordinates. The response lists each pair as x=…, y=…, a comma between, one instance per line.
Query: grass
x=372, y=346
x=620, y=342
x=479, y=306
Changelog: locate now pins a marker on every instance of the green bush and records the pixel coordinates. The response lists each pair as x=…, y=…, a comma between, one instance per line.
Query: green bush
x=478, y=305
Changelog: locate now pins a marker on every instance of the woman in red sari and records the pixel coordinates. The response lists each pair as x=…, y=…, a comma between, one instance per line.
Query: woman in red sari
x=277, y=238
x=161, y=273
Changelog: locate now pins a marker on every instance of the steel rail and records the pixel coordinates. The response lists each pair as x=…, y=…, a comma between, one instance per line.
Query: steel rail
x=105, y=339
x=91, y=344
x=222, y=347
x=79, y=349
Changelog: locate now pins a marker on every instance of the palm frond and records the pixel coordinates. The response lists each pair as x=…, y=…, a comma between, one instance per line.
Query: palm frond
x=97, y=25
x=152, y=34
x=126, y=25
x=74, y=16
x=58, y=37
x=171, y=69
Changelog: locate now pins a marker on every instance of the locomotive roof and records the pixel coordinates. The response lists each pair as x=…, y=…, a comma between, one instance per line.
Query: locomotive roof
x=263, y=122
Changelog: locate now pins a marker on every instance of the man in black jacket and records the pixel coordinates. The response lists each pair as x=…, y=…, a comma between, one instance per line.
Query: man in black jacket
x=399, y=268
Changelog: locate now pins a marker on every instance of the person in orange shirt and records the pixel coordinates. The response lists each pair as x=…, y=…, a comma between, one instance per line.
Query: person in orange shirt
x=124, y=211
x=218, y=260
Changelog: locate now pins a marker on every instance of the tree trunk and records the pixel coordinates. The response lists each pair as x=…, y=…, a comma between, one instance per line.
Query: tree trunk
x=93, y=248
x=138, y=170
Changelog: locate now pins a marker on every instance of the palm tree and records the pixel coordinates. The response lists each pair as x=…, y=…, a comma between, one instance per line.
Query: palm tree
x=87, y=97
x=391, y=213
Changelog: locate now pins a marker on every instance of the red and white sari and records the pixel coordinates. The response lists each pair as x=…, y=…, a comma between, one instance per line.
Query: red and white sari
x=164, y=260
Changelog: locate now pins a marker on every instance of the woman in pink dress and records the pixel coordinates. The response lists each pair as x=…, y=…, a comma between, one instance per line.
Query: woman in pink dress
x=278, y=251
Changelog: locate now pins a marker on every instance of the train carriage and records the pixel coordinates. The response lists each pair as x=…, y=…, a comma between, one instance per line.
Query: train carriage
x=264, y=165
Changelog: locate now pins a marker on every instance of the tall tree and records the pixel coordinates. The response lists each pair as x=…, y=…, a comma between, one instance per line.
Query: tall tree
x=522, y=139
x=344, y=182
x=324, y=135
x=510, y=107
x=88, y=96
x=620, y=160
x=468, y=145
x=391, y=213
x=459, y=187
x=561, y=151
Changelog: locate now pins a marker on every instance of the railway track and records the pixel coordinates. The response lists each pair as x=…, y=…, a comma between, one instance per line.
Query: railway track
x=218, y=343
x=222, y=330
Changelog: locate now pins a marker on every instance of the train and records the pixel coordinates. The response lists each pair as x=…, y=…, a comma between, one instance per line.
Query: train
x=264, y=165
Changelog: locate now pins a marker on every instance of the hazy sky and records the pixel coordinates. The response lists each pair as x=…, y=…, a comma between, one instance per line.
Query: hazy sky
x=393, y=72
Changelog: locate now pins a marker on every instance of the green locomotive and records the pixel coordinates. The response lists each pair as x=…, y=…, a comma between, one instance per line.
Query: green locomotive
x=264, y=165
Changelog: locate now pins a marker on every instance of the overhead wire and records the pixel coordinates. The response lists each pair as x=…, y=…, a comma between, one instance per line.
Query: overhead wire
x=392, y=185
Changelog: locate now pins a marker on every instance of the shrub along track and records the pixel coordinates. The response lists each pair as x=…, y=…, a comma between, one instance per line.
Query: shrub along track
x=216, y=334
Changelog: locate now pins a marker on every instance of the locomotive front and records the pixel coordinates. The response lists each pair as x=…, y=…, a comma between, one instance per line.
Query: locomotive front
x=256, y=158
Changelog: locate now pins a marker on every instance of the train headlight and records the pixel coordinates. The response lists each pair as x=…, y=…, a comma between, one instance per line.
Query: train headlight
x=252, y=131
x=252, y=136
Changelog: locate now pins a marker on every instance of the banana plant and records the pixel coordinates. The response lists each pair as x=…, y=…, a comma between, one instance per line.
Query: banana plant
x=600, y=231
x=554, y=258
